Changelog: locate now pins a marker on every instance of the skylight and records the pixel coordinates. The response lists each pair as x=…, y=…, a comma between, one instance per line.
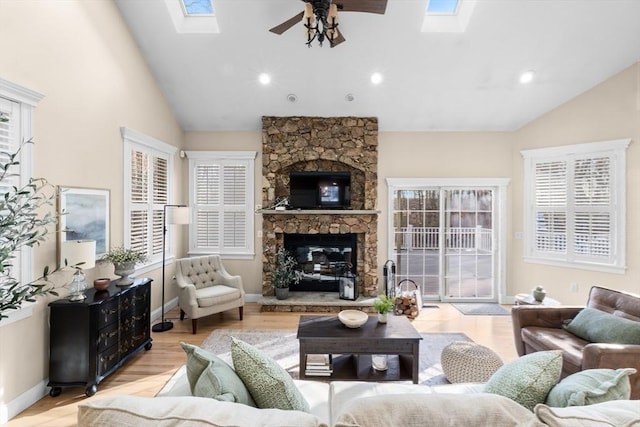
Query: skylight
x=197, y=7
x=441, y=7
x=447, y=16
x=193, y=16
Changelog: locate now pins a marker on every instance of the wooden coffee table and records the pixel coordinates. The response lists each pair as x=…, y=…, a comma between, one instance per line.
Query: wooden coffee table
x=351, y=349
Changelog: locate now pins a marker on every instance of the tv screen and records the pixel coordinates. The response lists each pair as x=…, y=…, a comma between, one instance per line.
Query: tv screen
x=319, y=190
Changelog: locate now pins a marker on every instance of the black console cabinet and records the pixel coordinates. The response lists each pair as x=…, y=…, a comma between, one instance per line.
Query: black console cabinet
x=90, y=339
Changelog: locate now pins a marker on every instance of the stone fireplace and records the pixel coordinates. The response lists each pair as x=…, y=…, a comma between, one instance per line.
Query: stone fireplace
x=338, y=144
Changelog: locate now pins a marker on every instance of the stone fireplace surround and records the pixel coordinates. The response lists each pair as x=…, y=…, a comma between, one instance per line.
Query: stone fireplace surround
x=321, y=144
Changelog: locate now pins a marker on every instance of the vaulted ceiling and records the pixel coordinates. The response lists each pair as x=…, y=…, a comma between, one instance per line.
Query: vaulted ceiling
x=445, y=81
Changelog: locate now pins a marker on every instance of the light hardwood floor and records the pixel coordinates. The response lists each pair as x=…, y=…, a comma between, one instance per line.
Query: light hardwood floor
x=147, y=372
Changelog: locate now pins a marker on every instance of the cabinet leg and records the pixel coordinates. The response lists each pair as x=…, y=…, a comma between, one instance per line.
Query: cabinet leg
x=91, y=390
x=55, y=391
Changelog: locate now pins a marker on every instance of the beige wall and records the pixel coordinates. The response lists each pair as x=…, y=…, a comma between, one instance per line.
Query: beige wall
x=80, y=55
x=609, y=111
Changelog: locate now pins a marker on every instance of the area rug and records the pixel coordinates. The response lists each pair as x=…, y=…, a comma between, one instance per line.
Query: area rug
x=283, y=347
x=478, y=309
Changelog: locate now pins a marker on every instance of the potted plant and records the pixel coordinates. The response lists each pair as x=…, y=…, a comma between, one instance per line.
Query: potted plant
x=124, y=262
x=284, y=273
x=383, y=305
x=21, y=225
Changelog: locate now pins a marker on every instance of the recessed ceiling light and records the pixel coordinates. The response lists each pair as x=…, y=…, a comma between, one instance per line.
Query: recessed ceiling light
x=292, y=97
x=376, y=78
x=264, y=78
x=527, y=76
x=349, y=97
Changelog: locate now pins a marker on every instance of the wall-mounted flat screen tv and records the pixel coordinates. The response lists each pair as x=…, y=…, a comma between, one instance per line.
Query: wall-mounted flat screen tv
x=320, y=190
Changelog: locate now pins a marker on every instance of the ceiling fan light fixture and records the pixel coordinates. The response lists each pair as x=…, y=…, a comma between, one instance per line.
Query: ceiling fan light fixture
x=320, y=20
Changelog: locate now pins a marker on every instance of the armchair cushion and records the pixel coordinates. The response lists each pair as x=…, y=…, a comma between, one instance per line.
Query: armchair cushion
x=216, y=295
x=598, y=326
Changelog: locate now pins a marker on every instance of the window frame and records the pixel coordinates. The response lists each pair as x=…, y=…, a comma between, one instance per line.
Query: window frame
x=245, y=158
x=154, y=147
x=27, y=101
x=615, y=150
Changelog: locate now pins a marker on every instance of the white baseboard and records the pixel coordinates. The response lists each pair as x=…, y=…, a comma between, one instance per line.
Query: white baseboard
x=22, y=402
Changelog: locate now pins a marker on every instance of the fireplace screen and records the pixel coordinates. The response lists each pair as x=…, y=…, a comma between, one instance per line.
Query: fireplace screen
x=323, y=260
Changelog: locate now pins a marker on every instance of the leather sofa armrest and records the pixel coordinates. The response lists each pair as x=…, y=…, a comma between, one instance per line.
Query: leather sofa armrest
x=614, y=356
x=523, y=316
x=542, y=316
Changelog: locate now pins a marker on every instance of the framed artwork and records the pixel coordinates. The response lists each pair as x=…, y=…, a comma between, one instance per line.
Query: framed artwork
x=84, y=215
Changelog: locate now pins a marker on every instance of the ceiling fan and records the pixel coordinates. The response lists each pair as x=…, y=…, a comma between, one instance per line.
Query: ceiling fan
x=321, y=19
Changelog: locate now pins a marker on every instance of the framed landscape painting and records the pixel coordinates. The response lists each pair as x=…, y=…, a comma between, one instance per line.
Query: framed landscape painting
x=84, y=215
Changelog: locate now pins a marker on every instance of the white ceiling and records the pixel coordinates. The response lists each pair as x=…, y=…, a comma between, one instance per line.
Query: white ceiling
x=432, y=81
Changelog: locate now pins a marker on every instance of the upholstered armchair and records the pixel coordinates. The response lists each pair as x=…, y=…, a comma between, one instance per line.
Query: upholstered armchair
x=206, y=288
x=540, y=328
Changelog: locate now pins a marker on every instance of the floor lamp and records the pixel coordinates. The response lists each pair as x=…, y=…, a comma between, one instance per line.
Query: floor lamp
x=171, y=214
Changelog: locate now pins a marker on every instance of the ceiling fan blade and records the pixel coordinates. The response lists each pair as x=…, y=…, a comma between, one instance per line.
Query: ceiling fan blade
x=279, y=29
x=370, y=6
x=338, y=40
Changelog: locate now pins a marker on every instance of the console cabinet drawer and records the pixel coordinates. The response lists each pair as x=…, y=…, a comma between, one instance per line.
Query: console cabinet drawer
x=90, y=339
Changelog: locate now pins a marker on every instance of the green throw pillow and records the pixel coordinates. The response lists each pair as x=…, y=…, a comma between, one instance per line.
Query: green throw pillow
x=527, y=380
x=210, y=376
x=591, y=386
x=269, y=384
x=598, y=326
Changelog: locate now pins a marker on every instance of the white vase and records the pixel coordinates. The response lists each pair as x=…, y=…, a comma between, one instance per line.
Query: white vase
x=382, y=317
x=124, y=269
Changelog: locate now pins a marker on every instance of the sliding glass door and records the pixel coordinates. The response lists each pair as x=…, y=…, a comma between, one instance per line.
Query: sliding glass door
x=444, y=238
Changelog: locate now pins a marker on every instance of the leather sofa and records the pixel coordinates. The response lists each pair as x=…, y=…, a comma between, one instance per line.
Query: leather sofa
x=540, y=328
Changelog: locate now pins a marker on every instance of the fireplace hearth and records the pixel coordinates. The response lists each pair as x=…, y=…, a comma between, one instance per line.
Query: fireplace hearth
x=322, y=259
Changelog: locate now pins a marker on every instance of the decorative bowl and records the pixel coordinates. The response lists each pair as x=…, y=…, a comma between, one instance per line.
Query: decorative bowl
x=102, y=283
x=353, y=318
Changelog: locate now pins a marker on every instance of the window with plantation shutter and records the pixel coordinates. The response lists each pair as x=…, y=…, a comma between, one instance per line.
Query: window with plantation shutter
x=574, y=205
x=147, y=181
x=17, y=106
x=221, y=195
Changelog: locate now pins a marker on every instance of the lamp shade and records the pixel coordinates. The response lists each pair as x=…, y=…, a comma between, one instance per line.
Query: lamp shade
x=178, y=215
x=80, y=251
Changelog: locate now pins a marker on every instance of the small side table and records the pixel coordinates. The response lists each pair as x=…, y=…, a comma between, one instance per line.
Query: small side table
x=527, y=299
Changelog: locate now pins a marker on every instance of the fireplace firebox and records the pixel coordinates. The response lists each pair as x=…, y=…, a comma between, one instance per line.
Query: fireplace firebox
x=322, y=259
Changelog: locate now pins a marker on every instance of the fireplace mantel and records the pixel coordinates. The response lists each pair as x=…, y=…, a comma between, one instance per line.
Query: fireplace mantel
x=319, y=212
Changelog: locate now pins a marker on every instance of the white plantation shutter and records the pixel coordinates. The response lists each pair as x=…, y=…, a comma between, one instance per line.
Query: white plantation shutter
x=576, y=198
x=147, y=191
x=551, y=207
x=221, y=189
x=9, y=143
x=9, y=138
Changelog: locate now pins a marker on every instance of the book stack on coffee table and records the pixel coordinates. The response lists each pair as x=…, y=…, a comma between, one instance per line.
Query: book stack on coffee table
x=318, y=365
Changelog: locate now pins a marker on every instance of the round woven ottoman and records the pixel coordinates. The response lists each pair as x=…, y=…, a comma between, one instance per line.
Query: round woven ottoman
x=468, y=362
